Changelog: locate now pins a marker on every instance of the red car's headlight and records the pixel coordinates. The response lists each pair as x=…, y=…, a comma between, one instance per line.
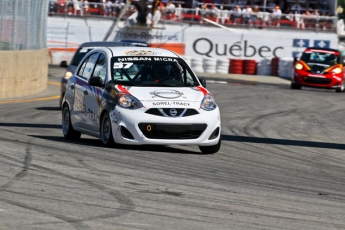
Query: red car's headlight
x=337, y=70
x=299, y=66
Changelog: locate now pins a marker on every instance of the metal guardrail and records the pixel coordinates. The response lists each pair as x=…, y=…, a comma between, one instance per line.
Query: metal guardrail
x=23, y=24
x=227, y=18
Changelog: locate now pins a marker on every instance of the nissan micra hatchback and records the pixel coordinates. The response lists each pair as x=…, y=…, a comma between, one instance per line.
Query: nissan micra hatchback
x=137, y=96
x=319, y=68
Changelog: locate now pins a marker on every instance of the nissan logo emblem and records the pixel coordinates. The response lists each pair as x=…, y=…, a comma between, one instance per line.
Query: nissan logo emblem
x=173, y=112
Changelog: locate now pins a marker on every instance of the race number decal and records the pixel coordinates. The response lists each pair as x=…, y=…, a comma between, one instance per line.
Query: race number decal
x=122, y=65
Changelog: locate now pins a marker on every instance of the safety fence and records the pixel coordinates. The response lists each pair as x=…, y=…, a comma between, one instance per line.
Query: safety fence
x=224, y=16
x=23, y=24
x=23, y=48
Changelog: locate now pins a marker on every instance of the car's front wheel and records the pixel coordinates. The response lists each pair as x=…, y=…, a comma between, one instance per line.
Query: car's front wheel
x=106, y=131
x=295, y=86
x=341, y=88
x=211, y=149
x=67, y=128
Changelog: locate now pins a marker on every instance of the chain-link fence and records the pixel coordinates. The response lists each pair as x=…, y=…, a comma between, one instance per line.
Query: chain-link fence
x=23, y=24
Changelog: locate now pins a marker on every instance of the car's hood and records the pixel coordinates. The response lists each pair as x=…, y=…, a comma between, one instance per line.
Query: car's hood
x=318, y=67
x=190, y=94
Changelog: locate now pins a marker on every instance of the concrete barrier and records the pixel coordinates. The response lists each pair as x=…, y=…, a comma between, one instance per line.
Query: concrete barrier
x=23, y=72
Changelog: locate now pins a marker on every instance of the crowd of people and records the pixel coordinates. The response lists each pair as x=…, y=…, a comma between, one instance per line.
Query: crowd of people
x=301, y=13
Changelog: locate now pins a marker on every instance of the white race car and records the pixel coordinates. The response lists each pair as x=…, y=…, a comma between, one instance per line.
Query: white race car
x=137, y=96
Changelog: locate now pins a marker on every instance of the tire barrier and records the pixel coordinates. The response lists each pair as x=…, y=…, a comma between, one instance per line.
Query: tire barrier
x=197, y=65
x=264, y=67
x=249, y=67
x=274, y=66
x=236, y=66
x=285, y=67
x=209, y=65
x=222, y=66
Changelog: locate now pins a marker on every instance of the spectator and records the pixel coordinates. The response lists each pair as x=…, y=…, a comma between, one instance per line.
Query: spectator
x=86, y=7
x=254, y=15
x=236, y=14
x=213, y=11
x=296, y=8
x=308, y=19
x=246, y=14
x=170, y=9
x=283, y=5
x=276, y=15
x=155, y=14
x=108, y=8
x=77, y=7
x=204, y=10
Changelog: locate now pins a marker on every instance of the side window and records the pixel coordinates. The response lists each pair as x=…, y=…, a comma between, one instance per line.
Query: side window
x=87, y=67
x=101, y=68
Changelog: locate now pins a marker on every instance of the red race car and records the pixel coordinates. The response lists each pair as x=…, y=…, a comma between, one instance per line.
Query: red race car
x=321, y=68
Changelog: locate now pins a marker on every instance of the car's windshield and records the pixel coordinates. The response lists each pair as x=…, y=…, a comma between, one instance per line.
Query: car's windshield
x=322, y=57
x=152, y=71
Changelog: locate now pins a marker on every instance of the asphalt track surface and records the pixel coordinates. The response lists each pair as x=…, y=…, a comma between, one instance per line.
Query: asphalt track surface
x=281, y=166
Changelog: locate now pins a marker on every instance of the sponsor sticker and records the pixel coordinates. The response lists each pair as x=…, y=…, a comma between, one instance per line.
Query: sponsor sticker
x=141, y=52
x=171, y=103
x=166, y=93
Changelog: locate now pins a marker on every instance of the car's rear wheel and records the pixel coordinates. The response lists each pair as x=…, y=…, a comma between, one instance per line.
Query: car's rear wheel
x=67, y=128
x=211, y=149
x=106, y=131
x=295, y=86
x=341, y=88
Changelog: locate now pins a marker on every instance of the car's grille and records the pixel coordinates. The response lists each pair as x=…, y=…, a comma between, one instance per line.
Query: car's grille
x=172, y=131
x=317, y=80
x=171, y=112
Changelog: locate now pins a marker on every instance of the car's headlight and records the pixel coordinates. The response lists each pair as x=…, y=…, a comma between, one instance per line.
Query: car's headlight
x=336, y=70
x=299, y=66
x=208, y=103
x=127, y=101
x=68, y=74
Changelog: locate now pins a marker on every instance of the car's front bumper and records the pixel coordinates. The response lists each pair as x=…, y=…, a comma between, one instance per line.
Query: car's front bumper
x=318, y=81
x=202, y=129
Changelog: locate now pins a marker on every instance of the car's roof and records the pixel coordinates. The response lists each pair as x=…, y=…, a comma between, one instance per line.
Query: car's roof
x=324, y=49
x=102, y=44
x=142, y=51
x=136, y=42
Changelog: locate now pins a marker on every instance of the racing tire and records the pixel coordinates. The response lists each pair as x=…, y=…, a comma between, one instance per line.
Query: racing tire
x=211, y=149
x=106, y=131
x=341, y=88
x=67, y=128
x=295, y=86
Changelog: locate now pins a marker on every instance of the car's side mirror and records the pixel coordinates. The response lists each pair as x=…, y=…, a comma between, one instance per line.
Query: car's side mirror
x=63, y=64
x=203, y=82
x=96, y=81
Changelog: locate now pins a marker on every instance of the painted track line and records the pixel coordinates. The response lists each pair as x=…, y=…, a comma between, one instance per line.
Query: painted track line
x=34, y=99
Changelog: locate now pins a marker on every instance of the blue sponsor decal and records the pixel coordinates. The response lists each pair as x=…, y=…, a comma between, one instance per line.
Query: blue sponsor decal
x=322, y=43
x=300, y=42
